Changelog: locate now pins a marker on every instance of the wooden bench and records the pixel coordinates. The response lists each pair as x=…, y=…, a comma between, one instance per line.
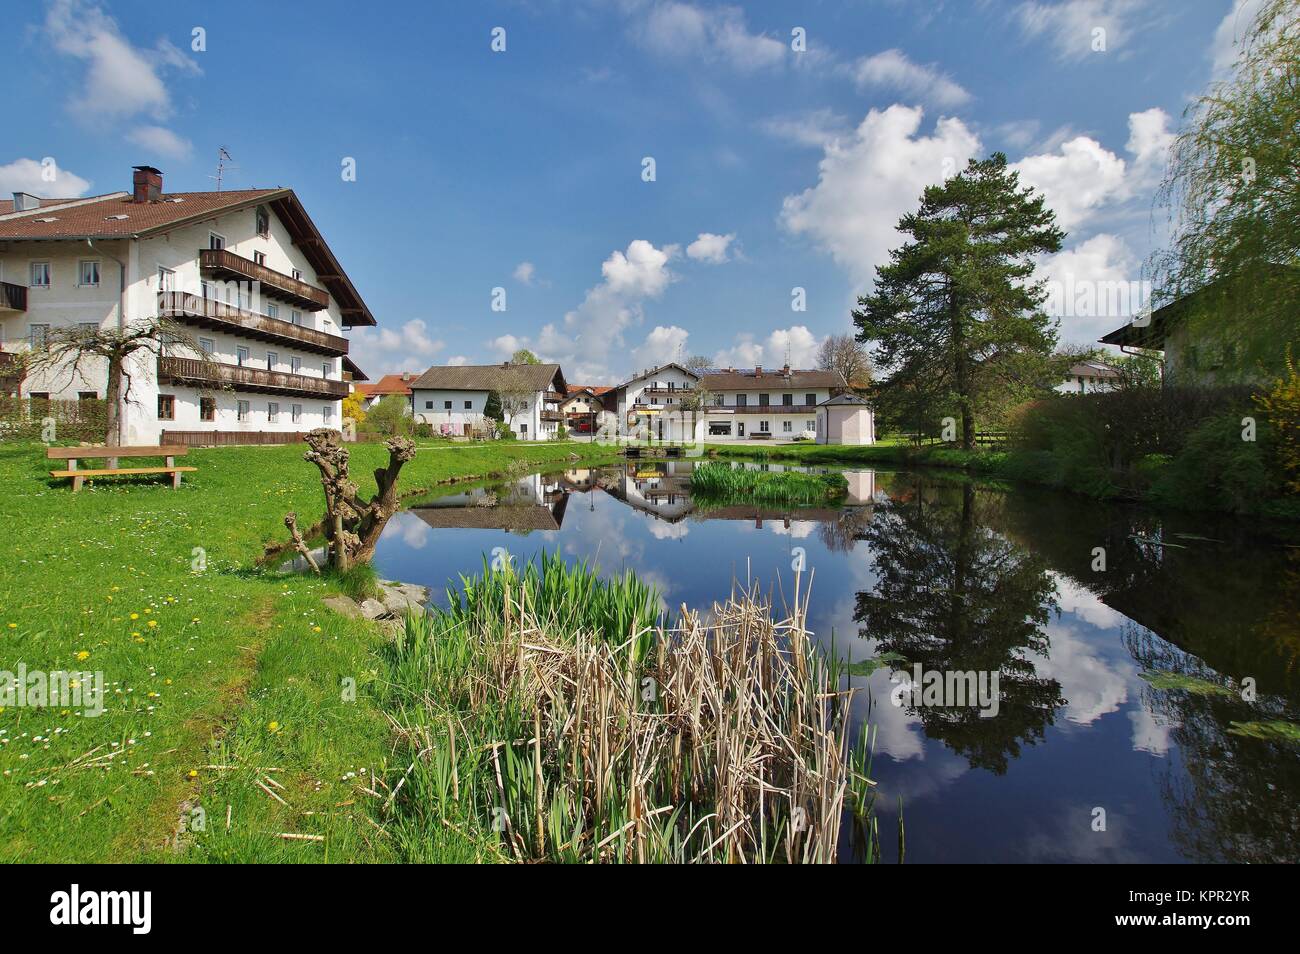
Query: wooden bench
x=113, y=454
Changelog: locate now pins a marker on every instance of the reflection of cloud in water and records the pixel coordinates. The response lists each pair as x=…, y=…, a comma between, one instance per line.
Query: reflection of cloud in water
x=412, y=531
x=1091, y=686
x=668, y=531
x=1080, y=602
x=1149, y=733
x=798, y=529
x=1065, y=833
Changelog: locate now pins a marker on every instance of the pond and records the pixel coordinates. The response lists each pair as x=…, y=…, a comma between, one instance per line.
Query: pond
x=1073, y=604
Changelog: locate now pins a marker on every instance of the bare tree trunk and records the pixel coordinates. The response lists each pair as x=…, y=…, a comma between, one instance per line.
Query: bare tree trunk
x=113, y=401
x=352, y=525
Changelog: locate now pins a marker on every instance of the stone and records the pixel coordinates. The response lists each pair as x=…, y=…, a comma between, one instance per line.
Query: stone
x=343, y=606
x=373, y=609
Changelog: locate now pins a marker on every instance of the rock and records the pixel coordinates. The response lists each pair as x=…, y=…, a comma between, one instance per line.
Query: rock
x=403, y=597
x=343, y=606
x=373, y=609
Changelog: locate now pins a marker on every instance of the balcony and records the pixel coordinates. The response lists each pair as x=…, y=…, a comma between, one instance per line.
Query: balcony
x=12, y=297
x=555, y=416
x=223, y=263
x=553, y=397
x=775, y=410
x=209, y=374
x=210, y=313
x=670, y=391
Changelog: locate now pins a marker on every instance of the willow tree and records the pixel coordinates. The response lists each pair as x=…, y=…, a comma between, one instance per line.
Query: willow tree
x=958, y=301
x=1232, y=193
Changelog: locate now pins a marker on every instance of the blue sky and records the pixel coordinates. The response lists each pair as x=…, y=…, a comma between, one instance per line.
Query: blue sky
x=774, y=168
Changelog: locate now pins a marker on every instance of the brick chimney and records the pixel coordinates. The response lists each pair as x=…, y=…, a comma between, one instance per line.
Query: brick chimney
x=146, y=184
x=758, y=369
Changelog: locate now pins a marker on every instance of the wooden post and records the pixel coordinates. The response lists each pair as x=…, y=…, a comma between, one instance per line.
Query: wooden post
x=176, y=474
x=76, y=481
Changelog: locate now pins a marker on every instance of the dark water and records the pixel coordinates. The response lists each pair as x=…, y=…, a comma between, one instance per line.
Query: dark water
x=956, y=576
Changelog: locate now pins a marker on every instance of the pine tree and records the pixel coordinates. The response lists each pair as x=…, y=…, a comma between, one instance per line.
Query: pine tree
x=958, y=300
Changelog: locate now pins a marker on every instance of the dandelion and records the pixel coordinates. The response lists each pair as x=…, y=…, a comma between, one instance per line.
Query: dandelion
x=83, y=655
x=273, y=726
x=13, y=625
x=153, y=622
x=135, y=615
x=315, y=629
x=194, y=773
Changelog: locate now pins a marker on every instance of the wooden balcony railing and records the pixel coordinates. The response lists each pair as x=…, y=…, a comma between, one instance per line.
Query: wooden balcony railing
x=553, y=416
x=190, y=371
x=223, y=262
x=554, y=397
x=13, y=297
x=210, y=313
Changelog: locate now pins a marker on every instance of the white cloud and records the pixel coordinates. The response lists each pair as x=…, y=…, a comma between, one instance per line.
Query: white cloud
x=868, y=180
x=456, y=360
x=661, y=345
x=387, y=350
x=710, y=248
x=796, y=344
x=121, y=81
x=1077, y=180
x=524, y=273
x=720, y=34
x=160, y=140
x=892, y=69
x=1100, y=287
x=816, y=128
x=1232, y=29
x=45, y=180
x=1069, y=24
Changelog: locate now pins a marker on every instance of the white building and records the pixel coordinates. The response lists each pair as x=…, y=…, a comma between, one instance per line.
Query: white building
x=1088, y=376
x=246, y=272
x=845, y=419
x=737, y=404
x=453, y=398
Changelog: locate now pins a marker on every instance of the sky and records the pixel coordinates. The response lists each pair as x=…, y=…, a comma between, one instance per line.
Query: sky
x=618, y=183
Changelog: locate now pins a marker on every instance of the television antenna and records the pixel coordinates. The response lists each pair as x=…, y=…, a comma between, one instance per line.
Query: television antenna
x=223, y=157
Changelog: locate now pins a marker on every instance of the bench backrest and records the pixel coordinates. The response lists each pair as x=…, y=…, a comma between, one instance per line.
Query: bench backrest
x=78, y=453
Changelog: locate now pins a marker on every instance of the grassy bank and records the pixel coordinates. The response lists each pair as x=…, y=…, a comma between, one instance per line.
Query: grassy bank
x=230, y=702
x=547, y=715
x=1159, y=482
x=719, y=482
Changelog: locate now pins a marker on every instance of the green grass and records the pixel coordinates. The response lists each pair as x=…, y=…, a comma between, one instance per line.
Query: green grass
x=716, y=482
x=242, y=668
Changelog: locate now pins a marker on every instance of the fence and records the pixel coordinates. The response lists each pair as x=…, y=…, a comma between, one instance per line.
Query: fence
x=37, y=419
x=231, y=438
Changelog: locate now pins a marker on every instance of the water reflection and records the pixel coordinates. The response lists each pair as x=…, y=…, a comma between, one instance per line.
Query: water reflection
x=956, y=576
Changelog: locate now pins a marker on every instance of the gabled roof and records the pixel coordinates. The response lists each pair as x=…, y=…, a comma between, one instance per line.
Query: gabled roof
x=1094, y=369
x=351, y=368
x=492, y=377
x=389, y=384
x=653, y=371
x=595, y=390
x=116, y=215
x=775, y=378
x=847, y=399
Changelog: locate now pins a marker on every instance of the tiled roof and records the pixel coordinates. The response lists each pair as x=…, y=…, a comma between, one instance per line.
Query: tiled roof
x=98, y=217
x=498, y=517
x=847, y=399
x=1095, y=370
x=775, y=379
x=490, y=377
x=388, y=384
x=596, y=389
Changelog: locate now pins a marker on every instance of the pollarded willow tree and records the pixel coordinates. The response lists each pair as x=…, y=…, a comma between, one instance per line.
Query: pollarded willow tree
x=1232, y=191
x=351, y=525
x=956, y=310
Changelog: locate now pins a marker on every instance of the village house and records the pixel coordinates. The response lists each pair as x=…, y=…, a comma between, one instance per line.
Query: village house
x=389, y=384
x=1087, y=377
x=454, y=398
x=674, y=403
x=246, y=271
x=584, y=408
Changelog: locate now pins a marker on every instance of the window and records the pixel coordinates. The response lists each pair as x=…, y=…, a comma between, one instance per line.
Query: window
x=523, y=405
x=272, y=411
x=717, y=400
x=259, y=258
x=329, y=413
x=88, y=274
x=297, y=275
x=763, y=400
x=216, y=241
x=272, y=359
x=39, y=395
x=469, y=405
x=166, y=279
x=241, y=356
x=742, y=400
x=207, y=409
x=719, y=428
x=325, y=369
x=765, y=427
x=787, y=427
x=263, y=223
x=166, y=407
x=446, y=405
x=428, y=405
x=787, y=400
x=810, y=399
x=295, y=412
x=241, y=411
x=38, y=335
x=272, y=310
x=40, y=275
x=207, y=346
x=295, y=365
x=523, y=429
x=295, y=316
x=87, y=395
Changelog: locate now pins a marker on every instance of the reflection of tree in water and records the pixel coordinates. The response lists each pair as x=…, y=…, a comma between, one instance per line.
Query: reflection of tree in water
x=952, y=594
x=841, y=533
x=1232, y=799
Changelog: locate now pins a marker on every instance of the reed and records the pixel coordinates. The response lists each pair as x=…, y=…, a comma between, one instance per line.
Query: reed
x=719, y=482
x=550, y=717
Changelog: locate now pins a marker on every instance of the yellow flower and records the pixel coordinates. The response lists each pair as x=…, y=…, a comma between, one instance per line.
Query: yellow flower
x=153, y=622
x=315, y=629
x=135, y=615
x=83, y=655
x=194, y=620
x=274, y=726
x=13, y=625
x=167, y=682
x=194, y=773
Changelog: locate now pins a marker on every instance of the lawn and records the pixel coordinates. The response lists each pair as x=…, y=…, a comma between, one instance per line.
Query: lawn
x=238, y=711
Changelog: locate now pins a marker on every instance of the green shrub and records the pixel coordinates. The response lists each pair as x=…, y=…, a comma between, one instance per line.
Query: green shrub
x=1217, y=469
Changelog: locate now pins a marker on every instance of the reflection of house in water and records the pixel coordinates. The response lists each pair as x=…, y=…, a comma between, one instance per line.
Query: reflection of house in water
x=862, y=487
x=535, y=502
x=659, y=488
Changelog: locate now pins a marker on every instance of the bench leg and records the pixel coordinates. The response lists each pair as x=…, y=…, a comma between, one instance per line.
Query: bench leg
x=76, y=483
x=176, y=474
